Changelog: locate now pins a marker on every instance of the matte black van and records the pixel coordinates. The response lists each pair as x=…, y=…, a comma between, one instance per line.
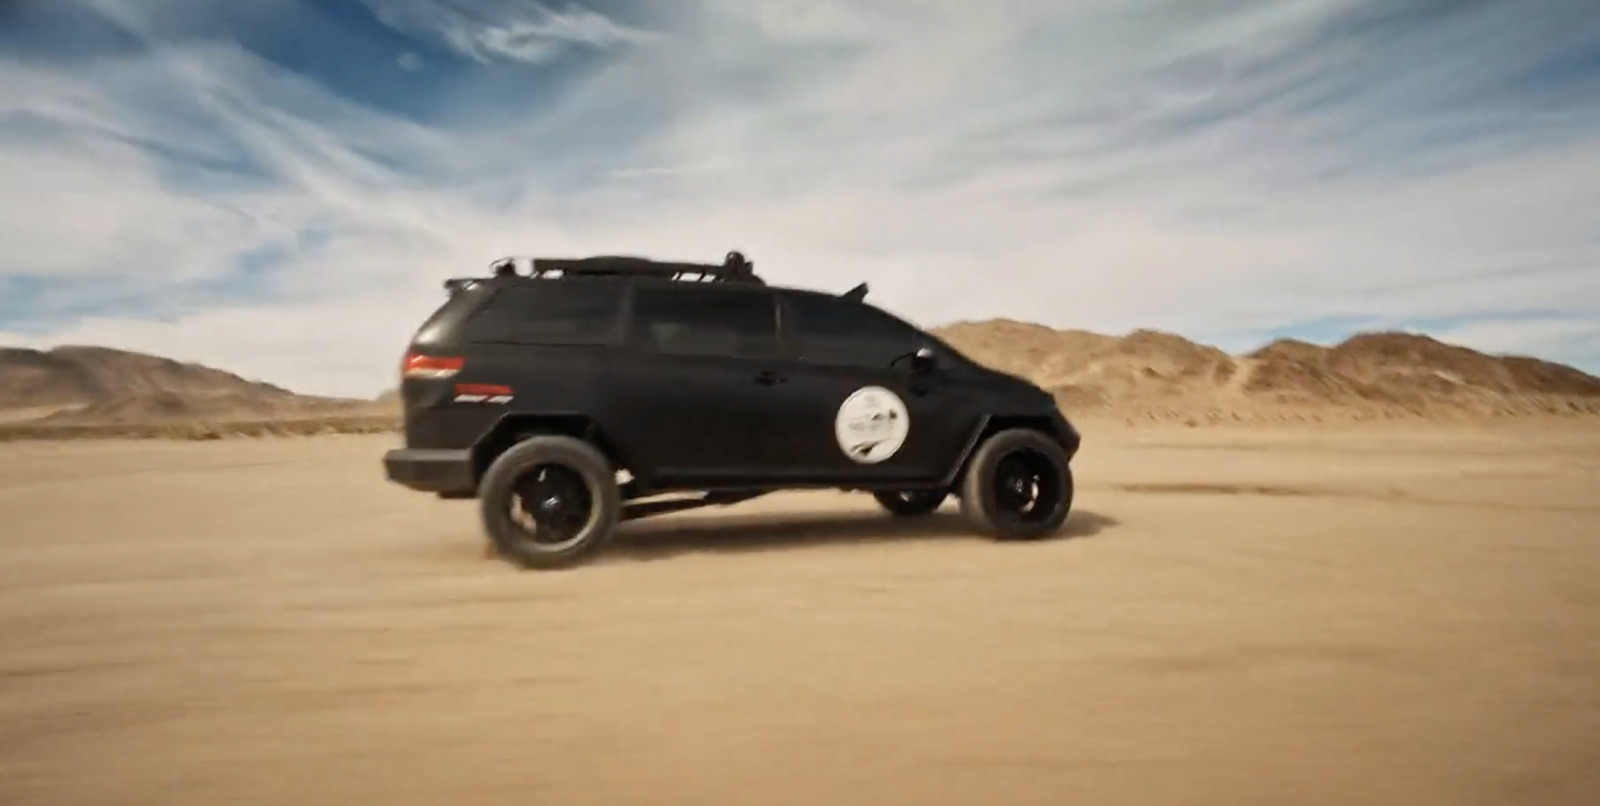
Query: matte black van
x=581, y=393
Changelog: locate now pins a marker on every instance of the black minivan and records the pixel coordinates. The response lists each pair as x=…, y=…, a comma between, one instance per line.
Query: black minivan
x=582, y=393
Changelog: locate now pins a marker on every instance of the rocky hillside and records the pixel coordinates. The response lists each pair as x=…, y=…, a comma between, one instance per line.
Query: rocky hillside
x=72, y=385
x=1144, y=376
x=1151, y=375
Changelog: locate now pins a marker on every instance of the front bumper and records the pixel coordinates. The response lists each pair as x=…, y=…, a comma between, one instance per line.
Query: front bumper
x=447, y=472
x=1071, y=439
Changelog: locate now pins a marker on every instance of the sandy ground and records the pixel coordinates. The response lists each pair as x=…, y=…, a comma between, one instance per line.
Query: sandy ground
x=1231, y=618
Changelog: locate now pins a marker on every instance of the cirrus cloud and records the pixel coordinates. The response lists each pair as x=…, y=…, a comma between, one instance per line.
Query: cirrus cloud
x=1231, y=171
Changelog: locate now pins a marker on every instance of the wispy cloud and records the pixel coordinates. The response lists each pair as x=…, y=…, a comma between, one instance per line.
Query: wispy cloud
x=524, y=31
x=1229, y=170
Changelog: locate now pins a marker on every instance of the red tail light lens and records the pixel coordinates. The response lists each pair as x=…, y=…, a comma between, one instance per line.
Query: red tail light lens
x=430, y=366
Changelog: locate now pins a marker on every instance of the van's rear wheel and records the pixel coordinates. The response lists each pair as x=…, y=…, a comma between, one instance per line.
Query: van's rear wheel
x=1018, y=486
x=911, y=503
x=549, y=501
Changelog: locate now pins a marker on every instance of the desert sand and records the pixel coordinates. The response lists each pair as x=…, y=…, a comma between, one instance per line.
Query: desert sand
x=1381, y=616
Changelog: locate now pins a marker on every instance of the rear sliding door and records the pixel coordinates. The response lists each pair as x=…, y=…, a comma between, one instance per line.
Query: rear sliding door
x=691, y=391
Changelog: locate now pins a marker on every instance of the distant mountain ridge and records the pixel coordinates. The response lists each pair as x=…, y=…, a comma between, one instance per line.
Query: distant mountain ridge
x=1146, y=375
x=81, y=384
x=1151, y=374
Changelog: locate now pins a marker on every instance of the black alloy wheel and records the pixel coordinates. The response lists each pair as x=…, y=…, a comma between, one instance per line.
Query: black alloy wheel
x=549, y=501
x=1027, y=486
x=1018, y=485
x=551, y=505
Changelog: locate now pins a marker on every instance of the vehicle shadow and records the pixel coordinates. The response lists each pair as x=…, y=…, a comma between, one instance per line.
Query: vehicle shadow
x=644, y=540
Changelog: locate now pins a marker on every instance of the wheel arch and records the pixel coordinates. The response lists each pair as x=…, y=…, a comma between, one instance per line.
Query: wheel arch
x=513, y=428
x=991, y=424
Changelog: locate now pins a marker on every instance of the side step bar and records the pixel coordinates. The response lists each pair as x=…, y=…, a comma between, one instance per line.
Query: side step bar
x=645, y=509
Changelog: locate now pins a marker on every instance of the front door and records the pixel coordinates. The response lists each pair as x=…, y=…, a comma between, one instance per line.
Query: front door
x=853, y=411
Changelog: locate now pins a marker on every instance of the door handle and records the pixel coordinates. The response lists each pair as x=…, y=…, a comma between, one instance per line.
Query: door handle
x=767, y=377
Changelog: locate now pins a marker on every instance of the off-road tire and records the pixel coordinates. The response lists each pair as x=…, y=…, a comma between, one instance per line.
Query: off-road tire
x=496, y=492
x=910, y=503
x=978, y=489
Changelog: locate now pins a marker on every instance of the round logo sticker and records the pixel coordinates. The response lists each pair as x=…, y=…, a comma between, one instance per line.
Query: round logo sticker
x=871, y=425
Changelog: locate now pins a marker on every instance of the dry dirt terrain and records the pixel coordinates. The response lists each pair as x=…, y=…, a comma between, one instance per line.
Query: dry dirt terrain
x=1395, y=616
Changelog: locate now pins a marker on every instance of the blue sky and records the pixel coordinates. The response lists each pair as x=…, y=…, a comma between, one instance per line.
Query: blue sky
x=279, y=186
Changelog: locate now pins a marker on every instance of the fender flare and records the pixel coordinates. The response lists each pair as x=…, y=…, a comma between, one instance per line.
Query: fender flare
x=570, y=423
x=991, y=423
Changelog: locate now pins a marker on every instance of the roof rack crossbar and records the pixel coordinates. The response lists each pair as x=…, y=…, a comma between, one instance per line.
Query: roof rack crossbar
x=734, y=269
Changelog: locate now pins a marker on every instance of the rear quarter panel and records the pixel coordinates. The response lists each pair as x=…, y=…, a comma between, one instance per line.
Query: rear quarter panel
x=456, y=412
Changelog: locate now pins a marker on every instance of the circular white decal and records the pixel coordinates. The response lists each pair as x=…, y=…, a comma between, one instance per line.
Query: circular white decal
x=871, y=425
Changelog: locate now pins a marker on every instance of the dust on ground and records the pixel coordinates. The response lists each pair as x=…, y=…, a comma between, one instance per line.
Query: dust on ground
x=1231, y=617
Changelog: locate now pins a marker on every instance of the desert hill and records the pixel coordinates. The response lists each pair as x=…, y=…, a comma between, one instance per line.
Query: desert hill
x=78, y=384
x=1149, y=374
x=1144, y=376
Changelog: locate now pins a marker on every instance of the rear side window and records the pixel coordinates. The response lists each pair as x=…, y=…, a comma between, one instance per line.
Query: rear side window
x=835, y=331
x=554, y=312
x=704, y=322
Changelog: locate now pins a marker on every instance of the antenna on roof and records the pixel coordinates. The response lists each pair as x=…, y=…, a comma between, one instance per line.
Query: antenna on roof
x=856, y=294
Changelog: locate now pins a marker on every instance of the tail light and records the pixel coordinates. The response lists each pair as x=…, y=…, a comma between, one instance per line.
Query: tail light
x=417, y=365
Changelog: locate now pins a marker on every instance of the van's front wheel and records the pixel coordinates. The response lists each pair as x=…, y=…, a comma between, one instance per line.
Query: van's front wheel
x=549, y=501
x=1018, y=486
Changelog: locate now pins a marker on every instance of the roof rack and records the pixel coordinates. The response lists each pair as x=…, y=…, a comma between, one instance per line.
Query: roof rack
x=456, y=285
x=733, y=269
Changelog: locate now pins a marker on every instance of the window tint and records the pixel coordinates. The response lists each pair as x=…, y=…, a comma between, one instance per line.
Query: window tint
x=836, y=331
x=553, y=312
x=700, y=322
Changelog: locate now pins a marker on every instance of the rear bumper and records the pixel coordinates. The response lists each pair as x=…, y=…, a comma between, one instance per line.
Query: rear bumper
x=447, y=472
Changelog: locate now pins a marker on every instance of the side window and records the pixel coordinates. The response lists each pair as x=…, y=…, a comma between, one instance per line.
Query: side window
x=701, y=322
x=840, y=332
x=552, y=312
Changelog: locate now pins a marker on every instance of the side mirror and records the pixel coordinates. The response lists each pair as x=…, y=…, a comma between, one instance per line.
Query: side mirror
x=924, y=360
